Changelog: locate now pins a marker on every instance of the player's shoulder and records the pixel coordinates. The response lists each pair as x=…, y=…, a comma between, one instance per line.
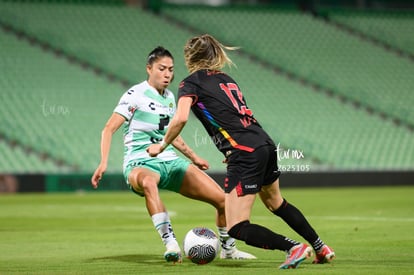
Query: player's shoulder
x=138, y=88
x=195, y=76
x=203, y=75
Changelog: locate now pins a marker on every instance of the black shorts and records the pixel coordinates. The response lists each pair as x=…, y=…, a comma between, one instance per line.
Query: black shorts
x=248, y=172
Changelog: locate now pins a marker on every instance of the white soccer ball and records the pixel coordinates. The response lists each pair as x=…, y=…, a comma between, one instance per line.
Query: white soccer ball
x=201, y=245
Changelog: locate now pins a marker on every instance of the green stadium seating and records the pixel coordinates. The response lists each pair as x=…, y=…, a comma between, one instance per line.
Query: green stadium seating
x=334, y=134
x=15, y=160
x=119, y=44
x=117, y=39
x=315, y=50
x=393, y=28
x=58, y=108
x=54, y=107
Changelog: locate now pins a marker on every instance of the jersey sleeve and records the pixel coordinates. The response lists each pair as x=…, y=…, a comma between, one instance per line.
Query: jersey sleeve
x=126, y=105
x=187, y=88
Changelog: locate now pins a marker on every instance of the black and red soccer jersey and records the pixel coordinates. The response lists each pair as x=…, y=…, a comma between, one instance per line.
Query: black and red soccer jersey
x=220, y=106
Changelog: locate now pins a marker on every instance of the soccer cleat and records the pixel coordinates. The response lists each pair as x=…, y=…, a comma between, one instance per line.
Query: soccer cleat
x=325, y=255
x=173, y=253
x=235, y=254
x=173, y=256
x=296, y=255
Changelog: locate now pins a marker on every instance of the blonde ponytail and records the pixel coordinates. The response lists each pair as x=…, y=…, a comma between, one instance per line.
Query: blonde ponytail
x=206, y=52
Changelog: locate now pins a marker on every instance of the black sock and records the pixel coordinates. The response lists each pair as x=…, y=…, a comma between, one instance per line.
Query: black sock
x=259, y=236
x=295, y=219
x=317, y=245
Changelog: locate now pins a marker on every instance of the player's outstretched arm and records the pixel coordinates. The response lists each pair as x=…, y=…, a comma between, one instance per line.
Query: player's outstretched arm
x=181, y=146
x=111, y=126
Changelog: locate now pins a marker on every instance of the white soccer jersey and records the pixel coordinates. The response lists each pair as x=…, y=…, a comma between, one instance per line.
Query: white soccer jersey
x=147, y=115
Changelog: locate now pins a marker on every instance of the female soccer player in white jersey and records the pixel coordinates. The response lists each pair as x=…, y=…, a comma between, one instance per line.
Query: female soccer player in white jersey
x=145, y=111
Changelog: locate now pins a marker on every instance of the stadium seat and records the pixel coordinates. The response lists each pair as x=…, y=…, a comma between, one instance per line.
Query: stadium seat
x=57, y=107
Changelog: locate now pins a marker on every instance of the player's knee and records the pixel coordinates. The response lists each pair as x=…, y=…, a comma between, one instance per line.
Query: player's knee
x=148, y=184
x=143, y=183
x=237, y=230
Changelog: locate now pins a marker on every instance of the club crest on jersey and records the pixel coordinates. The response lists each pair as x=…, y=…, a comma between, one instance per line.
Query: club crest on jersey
x=171, y=108
x=132, y=108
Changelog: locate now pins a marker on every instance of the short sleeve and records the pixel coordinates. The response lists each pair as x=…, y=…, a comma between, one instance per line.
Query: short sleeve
x=126, y=105
x=187, y=88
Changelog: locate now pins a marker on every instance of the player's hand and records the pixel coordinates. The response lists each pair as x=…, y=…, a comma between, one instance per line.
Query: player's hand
x=154, y=150
x=97, y=176
x=201, y=163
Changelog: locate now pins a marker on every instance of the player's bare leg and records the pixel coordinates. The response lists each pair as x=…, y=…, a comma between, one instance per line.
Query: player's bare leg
x=271, y=196
x=238, y=209
x=146, y=182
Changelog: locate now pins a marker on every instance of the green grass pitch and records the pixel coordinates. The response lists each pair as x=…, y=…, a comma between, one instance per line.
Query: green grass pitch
x=371, y=230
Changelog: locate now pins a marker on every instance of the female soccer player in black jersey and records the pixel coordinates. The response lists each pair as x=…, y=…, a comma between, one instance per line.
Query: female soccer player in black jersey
x=144, y=111
x=251, y=156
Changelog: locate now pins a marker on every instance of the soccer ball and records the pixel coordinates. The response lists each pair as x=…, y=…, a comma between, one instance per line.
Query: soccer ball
x=201, y=245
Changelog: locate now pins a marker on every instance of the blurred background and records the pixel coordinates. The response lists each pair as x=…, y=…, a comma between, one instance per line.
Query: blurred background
x=331, y=81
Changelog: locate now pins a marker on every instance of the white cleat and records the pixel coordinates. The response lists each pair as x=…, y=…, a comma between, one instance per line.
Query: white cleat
x=235, y=254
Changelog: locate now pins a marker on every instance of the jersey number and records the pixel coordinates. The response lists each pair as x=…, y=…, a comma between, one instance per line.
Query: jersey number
x=236, y=97
x=164, y=120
